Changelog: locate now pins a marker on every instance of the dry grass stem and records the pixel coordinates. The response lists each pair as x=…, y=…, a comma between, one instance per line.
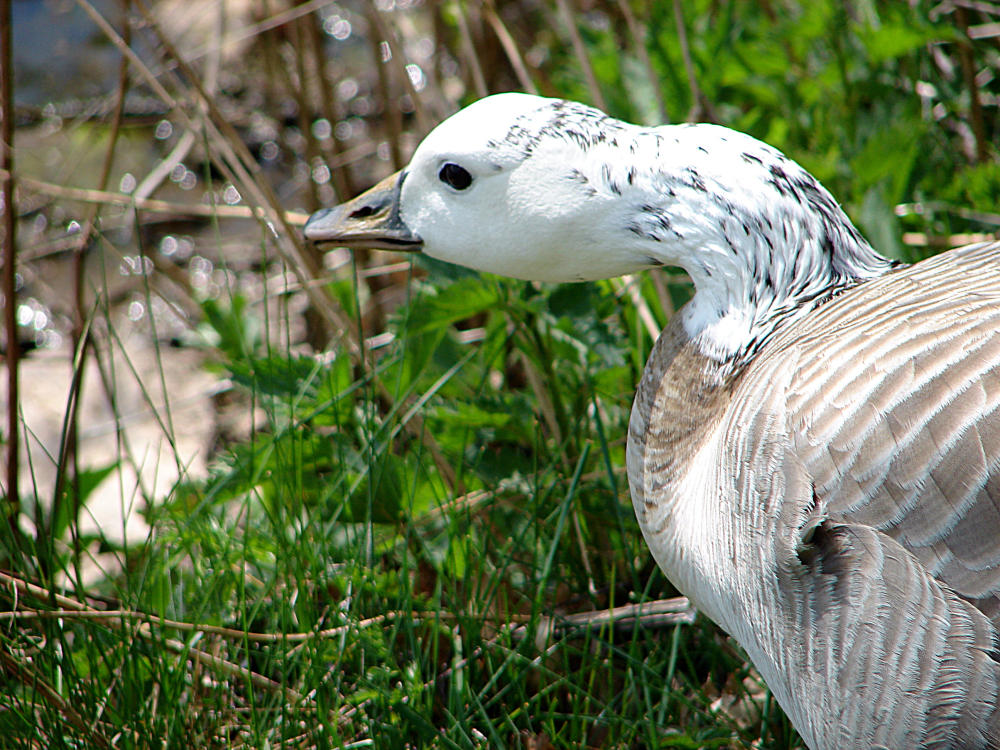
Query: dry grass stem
x=510, y=48
x=582, y=56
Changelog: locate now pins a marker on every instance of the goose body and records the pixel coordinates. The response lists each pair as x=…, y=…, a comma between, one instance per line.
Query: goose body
x=814, y=446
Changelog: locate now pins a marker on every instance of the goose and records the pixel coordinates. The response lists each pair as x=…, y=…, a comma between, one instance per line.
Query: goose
x=813, y=451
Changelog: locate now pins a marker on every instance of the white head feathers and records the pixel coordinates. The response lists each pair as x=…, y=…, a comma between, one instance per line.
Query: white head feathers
x=551, y=190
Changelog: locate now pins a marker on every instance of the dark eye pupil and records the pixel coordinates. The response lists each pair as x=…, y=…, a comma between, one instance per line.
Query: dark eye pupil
x=456, y=176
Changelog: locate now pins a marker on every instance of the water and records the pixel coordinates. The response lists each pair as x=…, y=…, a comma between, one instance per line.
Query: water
x=59, y=54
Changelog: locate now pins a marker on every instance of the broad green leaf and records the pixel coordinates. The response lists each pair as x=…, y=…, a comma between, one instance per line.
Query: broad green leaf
x=891, y=41
x=441, y=307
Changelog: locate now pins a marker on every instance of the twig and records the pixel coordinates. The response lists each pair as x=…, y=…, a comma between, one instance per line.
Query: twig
x=234, y=160
x=980, y=5
x=164, y=167
x=130, y=615
x=34, y=682
x=469, y=50
x=115, y=38
x=271, y=22
x=468, y=501
x=388, y=35
x=297, y=31
x=341, y=173
x=920, y=239
x=700, y=107
x=153, y=205
x=582, y=58
x=179, y=152
x=74, y=608
x=626, y=618
x=233, y=670
x=630, y=285
x=509, y=48
x=655, y=614
x=639, y=41
x=393, y=118
x=663, y=293
x=984, y=31
x=541, y=388
x=13, y=508
x=968, y=64
x=69, y=446
x=922, y=208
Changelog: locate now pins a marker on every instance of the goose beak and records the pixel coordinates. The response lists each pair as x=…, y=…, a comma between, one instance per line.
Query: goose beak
x=371, y=220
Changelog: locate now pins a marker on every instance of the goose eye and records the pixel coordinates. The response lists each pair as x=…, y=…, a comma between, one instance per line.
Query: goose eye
x=455, y=176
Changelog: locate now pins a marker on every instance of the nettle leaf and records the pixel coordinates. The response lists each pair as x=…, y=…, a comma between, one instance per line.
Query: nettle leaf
x=335, y=393
x=278, y=376
x=880, y=223
x=468, y=415
x=893, y=40
x=889, y=157
x=86, y=482
x=381, y=492
x=443, y=271
x=581, y=331
x=439, y=308
x=229, y=327
x=573, y=300
x=974, y=185
x=89, y=479
x=478, y=430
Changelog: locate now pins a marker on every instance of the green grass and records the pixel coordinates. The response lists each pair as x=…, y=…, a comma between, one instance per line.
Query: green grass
x=416, y=542
x=336, y=586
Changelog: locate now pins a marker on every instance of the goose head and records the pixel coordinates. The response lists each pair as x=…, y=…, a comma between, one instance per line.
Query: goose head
x=550, y=190
x=483, y=193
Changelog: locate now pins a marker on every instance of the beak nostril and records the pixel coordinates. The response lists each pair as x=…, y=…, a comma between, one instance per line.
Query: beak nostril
x=363, y=212
x=369, y=221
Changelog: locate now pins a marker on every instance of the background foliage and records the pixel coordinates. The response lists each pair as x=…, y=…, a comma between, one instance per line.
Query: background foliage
x=416, y=528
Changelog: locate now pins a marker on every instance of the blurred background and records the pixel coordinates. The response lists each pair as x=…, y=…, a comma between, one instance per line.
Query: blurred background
x=271, y=496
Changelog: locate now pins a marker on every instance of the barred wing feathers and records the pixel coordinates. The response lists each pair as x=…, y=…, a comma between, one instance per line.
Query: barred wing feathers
x=884, y=492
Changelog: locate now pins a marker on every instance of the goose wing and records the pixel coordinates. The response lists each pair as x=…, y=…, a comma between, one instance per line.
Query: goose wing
x=869, y=438
x=895, y=410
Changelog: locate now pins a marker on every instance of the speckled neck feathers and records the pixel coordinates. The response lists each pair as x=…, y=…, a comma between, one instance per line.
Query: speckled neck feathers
x=761, y=238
